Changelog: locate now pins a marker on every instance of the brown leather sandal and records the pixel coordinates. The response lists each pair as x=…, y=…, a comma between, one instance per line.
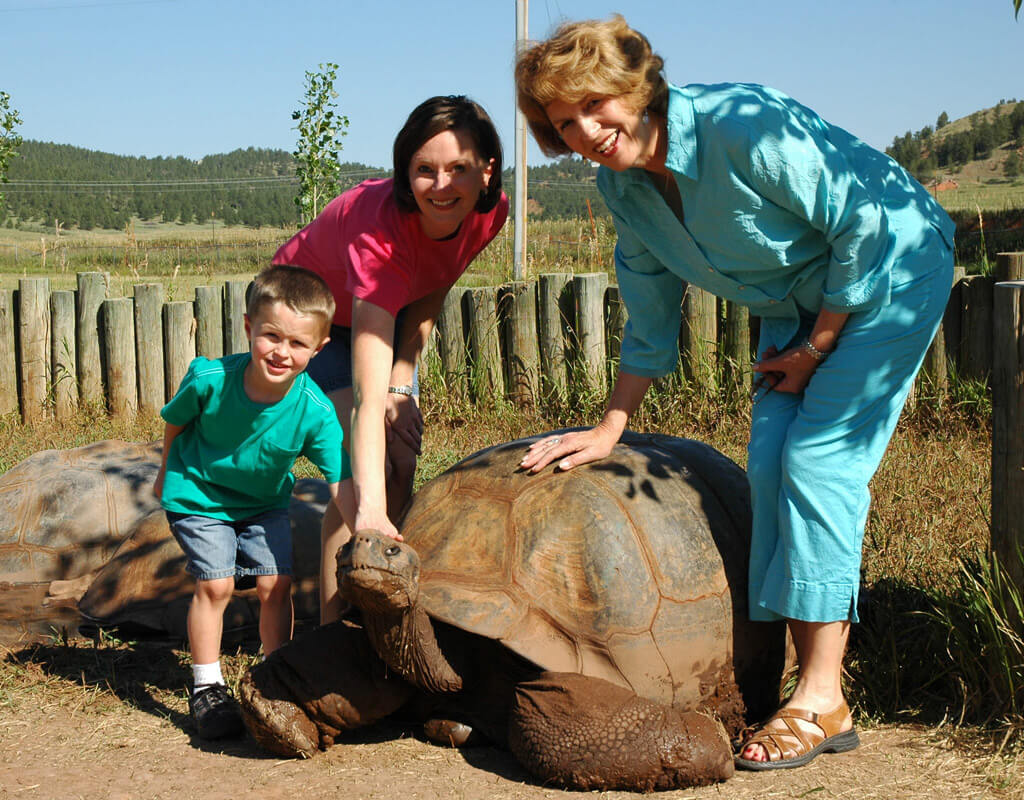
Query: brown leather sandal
x=791, y=746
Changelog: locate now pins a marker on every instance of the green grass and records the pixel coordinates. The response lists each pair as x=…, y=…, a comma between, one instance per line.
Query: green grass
x=183, y=257
x=998, y=195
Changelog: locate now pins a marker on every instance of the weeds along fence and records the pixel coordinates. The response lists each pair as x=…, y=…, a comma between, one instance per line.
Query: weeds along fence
x=567, y=243
x=520, y=342
x=135, y=257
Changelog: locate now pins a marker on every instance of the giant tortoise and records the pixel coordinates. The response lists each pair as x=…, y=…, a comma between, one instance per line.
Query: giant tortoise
x=581, y=618
x=82, y=536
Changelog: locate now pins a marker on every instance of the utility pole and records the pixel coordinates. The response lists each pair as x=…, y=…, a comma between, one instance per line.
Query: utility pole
x=519, y=209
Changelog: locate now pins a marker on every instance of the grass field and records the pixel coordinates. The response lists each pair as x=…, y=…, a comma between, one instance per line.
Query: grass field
x=183, y=257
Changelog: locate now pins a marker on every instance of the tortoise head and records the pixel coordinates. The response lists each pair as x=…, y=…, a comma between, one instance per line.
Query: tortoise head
x=381, y=577
x=378, y=574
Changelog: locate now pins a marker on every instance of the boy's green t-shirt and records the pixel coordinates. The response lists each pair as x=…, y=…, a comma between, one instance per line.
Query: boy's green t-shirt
x=234, y=458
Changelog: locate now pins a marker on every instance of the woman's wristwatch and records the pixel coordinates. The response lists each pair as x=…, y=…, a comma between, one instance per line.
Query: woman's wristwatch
x=406, y=390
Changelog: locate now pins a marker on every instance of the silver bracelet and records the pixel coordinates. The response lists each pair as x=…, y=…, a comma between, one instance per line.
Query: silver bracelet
x=816, y=354
x=406, y=390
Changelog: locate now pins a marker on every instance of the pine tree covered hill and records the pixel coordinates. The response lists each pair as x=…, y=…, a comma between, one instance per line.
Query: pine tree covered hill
x=256, y=187
x=90, y=189
x=994, y=136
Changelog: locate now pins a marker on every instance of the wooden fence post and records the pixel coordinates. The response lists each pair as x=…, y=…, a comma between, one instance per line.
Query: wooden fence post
x=235, y=340
x=699, y=337
x=736, y=346
x=1008, y=427
x=952, y=319
x=63, y=369
x=517, y=306
x=92, y=291
x=179, y=343
x=484, y=343
x=8, y=360
x=589, y=290
x=34, y=346
x=554, y=315
x=451, y=343
x=149, y=346
x=614, y=328
x=119, y=341
x=1009, y=267
x=210, y=321
x=976, y=327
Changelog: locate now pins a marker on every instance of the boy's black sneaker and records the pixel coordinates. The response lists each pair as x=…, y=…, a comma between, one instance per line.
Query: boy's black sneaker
x=215, y=713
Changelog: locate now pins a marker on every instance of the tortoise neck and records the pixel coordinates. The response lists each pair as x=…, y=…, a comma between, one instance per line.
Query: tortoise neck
x=406, y=642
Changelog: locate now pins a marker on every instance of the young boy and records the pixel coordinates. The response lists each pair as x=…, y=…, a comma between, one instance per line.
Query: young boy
x=234, y=430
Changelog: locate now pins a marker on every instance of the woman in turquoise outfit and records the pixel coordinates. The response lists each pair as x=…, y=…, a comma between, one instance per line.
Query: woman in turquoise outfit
x=846, y=259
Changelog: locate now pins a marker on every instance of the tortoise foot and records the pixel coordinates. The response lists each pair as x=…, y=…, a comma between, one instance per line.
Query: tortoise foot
x=276, y=723
x=316, y=687
x=586, y=733
x=451, y=733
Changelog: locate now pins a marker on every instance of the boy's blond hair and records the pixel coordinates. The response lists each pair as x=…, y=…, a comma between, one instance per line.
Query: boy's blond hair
x=304, y=292
x=594, y=57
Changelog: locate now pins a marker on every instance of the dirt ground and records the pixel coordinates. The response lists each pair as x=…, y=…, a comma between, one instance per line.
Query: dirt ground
x=112, y=724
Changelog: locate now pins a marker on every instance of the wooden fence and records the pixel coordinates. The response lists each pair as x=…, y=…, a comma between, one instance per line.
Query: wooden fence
x=519, y=341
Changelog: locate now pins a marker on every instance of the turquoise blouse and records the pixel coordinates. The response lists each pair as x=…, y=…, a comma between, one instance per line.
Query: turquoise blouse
x=783, y=213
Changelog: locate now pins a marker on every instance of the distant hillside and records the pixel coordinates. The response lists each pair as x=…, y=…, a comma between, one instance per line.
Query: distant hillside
x=89, y=189
x=984, y=146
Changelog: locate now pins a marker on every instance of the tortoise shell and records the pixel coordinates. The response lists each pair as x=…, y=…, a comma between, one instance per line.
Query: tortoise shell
x=631, y=569
x=82, y=536
x=63, y=513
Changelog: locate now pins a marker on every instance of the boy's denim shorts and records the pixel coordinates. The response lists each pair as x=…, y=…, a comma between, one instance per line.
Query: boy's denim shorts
x=331, y=368
x=217, y=548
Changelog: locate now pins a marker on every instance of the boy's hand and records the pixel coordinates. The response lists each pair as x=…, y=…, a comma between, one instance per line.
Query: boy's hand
x=158, y=485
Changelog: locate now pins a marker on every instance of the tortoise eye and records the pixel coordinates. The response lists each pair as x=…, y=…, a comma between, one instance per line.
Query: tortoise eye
x=394, y=550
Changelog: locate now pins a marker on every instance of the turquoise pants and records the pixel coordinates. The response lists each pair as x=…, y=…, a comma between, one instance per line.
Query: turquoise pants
x=811, y=456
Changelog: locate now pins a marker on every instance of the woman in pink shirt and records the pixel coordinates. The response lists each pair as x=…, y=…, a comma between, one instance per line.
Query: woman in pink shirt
x=390, y=250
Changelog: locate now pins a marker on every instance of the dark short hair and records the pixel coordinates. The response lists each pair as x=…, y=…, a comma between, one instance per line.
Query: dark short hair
x=447, y=113
x=303, y=291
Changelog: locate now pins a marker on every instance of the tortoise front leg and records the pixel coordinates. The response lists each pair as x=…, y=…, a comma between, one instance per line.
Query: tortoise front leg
x=587, y=733
x=307, y=692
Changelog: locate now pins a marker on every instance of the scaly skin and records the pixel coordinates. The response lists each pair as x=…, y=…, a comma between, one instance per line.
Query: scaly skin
x=588, y=734
x=381, y=577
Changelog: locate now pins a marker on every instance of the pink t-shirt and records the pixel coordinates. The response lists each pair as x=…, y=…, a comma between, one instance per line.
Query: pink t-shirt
x=365, y=247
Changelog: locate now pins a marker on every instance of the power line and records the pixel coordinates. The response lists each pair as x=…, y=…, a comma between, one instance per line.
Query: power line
x=68, y=7
x=188, y=182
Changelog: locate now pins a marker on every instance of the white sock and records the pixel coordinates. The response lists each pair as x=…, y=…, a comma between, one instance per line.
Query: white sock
x=204, y=675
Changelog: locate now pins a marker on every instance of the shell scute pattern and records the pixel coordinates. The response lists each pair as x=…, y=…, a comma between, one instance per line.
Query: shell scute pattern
x=631, y=589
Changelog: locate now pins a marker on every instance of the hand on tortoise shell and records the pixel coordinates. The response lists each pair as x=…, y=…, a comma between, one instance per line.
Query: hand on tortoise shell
x=569, y=449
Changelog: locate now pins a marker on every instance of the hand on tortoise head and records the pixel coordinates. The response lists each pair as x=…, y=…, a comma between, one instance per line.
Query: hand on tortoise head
x=376, y=519
x=569, y=449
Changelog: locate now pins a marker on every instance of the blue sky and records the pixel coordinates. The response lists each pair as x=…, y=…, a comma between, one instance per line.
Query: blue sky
x=195, y=77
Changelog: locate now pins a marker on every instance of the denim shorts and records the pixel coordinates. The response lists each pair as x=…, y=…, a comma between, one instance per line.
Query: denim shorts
x=217, y=548
x=331, y=368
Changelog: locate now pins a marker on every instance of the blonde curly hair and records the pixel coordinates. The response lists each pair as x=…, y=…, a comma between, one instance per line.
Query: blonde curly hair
x=592, y=57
